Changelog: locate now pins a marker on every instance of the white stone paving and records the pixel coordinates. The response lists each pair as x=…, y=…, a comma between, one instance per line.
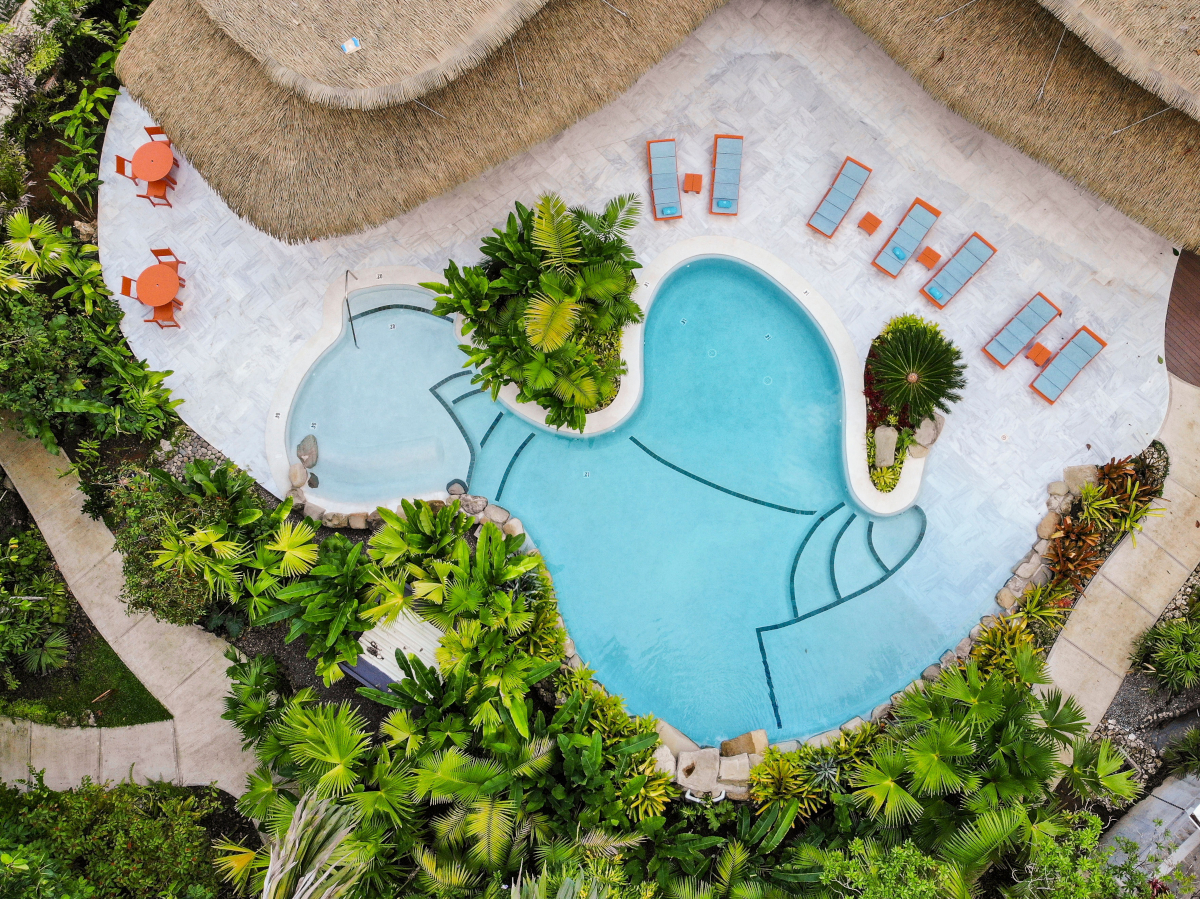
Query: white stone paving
x=806, y=88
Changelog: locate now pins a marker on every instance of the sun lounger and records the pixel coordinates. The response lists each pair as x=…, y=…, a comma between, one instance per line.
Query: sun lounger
x=837, y=200
x=1082, y=348
x=906, y=238
x=727, y=174
x=664, y=179
x=962, y=267
x=1020, y=329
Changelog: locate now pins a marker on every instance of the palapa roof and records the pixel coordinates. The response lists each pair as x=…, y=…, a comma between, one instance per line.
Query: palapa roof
x=301, y=170
x=1156, y=44
x=407, y=48
x=988, y=62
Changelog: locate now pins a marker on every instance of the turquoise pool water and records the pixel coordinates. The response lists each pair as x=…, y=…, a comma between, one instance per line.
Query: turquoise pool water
x=710, y=563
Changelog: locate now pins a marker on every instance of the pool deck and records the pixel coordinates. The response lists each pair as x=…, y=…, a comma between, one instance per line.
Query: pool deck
x=807, y=89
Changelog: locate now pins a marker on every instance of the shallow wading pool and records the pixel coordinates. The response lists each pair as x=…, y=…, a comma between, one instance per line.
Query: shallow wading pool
x=709, y=561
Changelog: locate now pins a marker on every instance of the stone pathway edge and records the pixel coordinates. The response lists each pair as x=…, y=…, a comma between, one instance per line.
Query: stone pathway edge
x=183, y=667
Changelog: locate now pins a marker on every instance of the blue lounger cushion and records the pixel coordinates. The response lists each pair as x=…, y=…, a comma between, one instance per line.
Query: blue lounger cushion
x=904, y=241
x=664, y=179
x=958, y=270
x=727, y=175
x=1023, y=328
x=839, y=198
x=1079, y=351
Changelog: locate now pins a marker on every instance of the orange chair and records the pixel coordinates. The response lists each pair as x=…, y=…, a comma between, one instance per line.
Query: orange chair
x=156, y=191
x=163, y=316
x=166, y=256
x=155, y=133
x=125, y=167
x=127, y=288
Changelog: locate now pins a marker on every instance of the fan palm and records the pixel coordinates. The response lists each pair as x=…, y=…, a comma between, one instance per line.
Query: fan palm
x=37, y=245
x=916, y=367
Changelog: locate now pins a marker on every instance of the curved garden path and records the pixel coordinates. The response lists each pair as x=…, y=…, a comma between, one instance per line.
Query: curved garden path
x=1091, y=655
x=183, y=667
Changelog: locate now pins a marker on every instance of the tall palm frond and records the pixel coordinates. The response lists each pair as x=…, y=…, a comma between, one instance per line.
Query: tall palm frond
x=598, y=844
x=976, y=846
x=489, y=824
x=552, y=312
x=451, y=775
x=619, y=217
x=555, y=234
x=313, y=859
x=444, y=877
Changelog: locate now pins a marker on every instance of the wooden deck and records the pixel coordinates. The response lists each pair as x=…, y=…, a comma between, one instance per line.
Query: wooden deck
x=1183, y=321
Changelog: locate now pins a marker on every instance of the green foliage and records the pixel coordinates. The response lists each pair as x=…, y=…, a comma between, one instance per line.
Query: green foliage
x=1071, y=866
x=966, y=769
x=130, y=840
x=33, y=606
x=868, y=871
x=1182, y=755
x=1170, y=651
x=30, y=872
x=916, y=368
x=886, y=479
x=14, y=176
x=546, y=309
x=1006, y=648
x=810, y=776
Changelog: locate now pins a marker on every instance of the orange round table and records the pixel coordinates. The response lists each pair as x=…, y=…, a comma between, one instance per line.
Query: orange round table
x=153, y=161
x=157, y=285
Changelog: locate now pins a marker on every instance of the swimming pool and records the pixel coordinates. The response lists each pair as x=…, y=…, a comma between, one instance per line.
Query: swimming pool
x=710, y=562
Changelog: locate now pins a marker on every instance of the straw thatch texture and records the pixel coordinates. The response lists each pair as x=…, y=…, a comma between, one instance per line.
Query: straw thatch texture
x=1155, y=44
x=302, y=171
x=988, y=62
x=408, y=48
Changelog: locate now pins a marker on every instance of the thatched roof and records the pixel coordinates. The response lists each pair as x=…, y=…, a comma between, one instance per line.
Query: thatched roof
x=301, y=171
x=408, y=48
x=988, y=61
x=1156, y=44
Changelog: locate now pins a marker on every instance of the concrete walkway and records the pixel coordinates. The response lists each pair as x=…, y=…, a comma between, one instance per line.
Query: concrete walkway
x=183, y=667
x=1163, y=815
x=1131, y=590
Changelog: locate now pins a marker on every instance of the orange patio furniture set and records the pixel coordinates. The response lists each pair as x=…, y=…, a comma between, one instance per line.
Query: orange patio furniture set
x=1056, y=371
x=152, y=163
x=158, y=287
x=724, y=186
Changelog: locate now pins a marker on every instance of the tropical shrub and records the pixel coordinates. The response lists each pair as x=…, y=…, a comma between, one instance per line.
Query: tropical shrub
x=810, y=775
x=1001, y=648
x=34, y=605
x=546, y=308
x=130, y=840
x=913, y=370
x=1182, y=755
x=1170, y=651
x=1074, y=553
x=869, y=871
x=966, y=769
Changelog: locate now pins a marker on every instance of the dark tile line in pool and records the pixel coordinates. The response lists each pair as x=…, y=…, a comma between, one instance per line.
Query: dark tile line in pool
x=444, y=318
x=511, y=463
x=450, y=411
x=462, y=397
x=491, y=427
x=708, y=483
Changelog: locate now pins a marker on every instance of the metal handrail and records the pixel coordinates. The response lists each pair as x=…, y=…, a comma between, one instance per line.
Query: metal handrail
x=346, y=289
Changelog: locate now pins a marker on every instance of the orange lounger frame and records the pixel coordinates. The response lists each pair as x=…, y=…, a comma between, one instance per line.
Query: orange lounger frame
x=958, y=270
x=903, y=242
x=835, y=205
x=1019, y=330
x=725, y=186
x=1056, y=376
x=664, y=179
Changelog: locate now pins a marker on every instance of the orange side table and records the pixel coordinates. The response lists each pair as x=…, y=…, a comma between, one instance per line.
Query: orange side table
x=870, y=222
x=1038, y=354
x=692, y=183
x=929, y=257
x=157, y=285
x=153, y=161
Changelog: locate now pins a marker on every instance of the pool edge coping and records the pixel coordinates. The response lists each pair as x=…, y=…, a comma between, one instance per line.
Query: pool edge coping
x=850, y=366
x=279, y=455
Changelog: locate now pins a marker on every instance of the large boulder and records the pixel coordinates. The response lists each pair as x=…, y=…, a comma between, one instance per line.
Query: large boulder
x=1048, y=525
x=754, y=741
x=357, y=520
x=496, y=514
x=297, y=475
x=697, y=770
x=735, y=770
x=513, y=527
x=664, y=759
x=885, y=446
x=306, y=452
x=926, y=433
x=1078, y=475
x=675, y=740
x=456, y=488
x=825, y=739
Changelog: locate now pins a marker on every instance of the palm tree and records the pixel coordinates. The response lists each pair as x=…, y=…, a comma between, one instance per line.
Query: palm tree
x=918, y=368
x=315, y=858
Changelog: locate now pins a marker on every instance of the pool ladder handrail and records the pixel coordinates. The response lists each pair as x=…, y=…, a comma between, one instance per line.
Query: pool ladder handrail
x=346, y=291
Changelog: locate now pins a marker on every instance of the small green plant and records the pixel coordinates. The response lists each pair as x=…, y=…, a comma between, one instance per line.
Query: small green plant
x=1182, y=755
x=1170, y=651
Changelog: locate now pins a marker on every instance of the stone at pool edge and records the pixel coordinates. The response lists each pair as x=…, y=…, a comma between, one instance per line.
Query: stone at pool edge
x=697, y=770
x=334, y=520
x=496, y=514
x=664, y=759
x=753, y=741
x=472, y=505
x=296, y=495
x=1048, y=525
x=916, y=451
x=307, y=451
x=1078, y=475
x=885, y=446
x=675, y=740
x=1058, y=488
x=357, y=521
x=297, y=475
x=456, y=488
x=927, y=432
x=313, y=511
x=513, y=527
